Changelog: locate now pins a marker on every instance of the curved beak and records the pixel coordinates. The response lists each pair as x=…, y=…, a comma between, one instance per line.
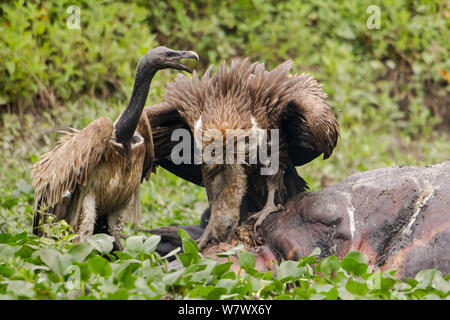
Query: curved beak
x=183, y=55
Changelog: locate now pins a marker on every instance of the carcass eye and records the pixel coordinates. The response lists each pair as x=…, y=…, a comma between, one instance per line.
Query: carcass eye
x=229, y=229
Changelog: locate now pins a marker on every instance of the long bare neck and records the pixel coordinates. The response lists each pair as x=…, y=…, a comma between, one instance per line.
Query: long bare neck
x=126, y=125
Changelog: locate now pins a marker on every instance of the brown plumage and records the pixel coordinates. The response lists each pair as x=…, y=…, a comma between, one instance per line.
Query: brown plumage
x=97, y=171
x=245, y=97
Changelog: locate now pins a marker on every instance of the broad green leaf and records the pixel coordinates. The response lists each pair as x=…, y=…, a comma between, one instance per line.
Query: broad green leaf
x=439, y=283
x=100, y=266
x=355, y=263
x=246, y=260
x=134, y=244
x=216, y=293
x=21, y=289
x=172, y=277
x=288, y=269
x=7, y=251
x=226, y=283
x=80, y=251
x=329, y=265
x=54, y=259
x=151, y=243
x=425, y=278
x=120, y=294
x=220, y=269
x=124, y=273
x=6, y=271
x=356, y=287
x=102, y=242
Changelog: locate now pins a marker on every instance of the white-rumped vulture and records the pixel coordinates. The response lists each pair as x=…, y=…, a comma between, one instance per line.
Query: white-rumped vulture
x=249, y=99
x=96, y=171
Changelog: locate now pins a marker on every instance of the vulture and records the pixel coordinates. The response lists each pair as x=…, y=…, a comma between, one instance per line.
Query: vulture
x=96, y=172
x=280, y=120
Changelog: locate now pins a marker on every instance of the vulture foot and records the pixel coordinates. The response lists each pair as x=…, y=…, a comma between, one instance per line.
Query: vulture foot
x=264, y=213
x=206, y=237
x=117, y=246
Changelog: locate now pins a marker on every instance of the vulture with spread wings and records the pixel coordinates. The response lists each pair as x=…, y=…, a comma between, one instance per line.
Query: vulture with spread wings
x=281, y=120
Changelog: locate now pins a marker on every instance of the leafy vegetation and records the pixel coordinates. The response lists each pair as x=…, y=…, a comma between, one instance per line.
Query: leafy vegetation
x=33, y=268
x=388, y=88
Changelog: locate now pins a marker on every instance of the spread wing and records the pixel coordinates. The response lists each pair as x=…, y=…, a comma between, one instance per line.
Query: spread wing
x=310, y=126
x=164, y=119
x=57, y=174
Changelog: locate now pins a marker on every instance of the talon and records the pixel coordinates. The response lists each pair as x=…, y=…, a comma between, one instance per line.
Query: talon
x=263, y=214
x=206, y=237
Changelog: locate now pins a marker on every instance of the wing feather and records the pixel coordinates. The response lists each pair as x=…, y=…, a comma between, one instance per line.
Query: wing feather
x=68, y=165
x=164, y=118
x=310, y=127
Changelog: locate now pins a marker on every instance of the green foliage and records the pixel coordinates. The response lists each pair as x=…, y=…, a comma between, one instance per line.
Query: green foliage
x=367, y=71
x=45, y=61
x=30, y=268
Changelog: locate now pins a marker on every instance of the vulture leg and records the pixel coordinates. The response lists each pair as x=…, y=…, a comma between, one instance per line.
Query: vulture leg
x=116, y=223
x=274, y=186
x=206, y=237
x=87, y=218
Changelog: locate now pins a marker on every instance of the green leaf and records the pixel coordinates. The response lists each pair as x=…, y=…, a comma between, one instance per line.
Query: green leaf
x=102, y=242
x=172, y=277
x=329, y=265
x=7, y=251
x=80, y=251
x=309, y=259
x=247, y=260
x=134, y=244
x=55, y=260
x=200, y=291
x=439, y=283
x=6, y=271
x=190, y=253
x=220, y=269
x=124, y=273
x=356, y=287
x=432, y=278
x=151, y=243
x=355, y=263
x=120, y=294
x=21, y=289
x=216, y=293
x=381, y=280
x=227, y=284
x=7, y=238
x=100, y=266
x=288, y=270
x=123, y=255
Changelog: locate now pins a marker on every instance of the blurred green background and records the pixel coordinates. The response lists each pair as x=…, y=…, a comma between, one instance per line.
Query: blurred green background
x=388, y=87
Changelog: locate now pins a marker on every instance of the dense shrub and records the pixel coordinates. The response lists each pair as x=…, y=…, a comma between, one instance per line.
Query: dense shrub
x=43, y=61
x=31, y=268
x=399, y=67
x=402, y=66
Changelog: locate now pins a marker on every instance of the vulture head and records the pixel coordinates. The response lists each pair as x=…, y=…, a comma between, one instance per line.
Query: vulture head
x=164, y=58
x=154, y=60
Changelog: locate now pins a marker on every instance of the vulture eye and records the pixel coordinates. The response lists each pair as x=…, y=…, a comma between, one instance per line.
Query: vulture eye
x=170, y=54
